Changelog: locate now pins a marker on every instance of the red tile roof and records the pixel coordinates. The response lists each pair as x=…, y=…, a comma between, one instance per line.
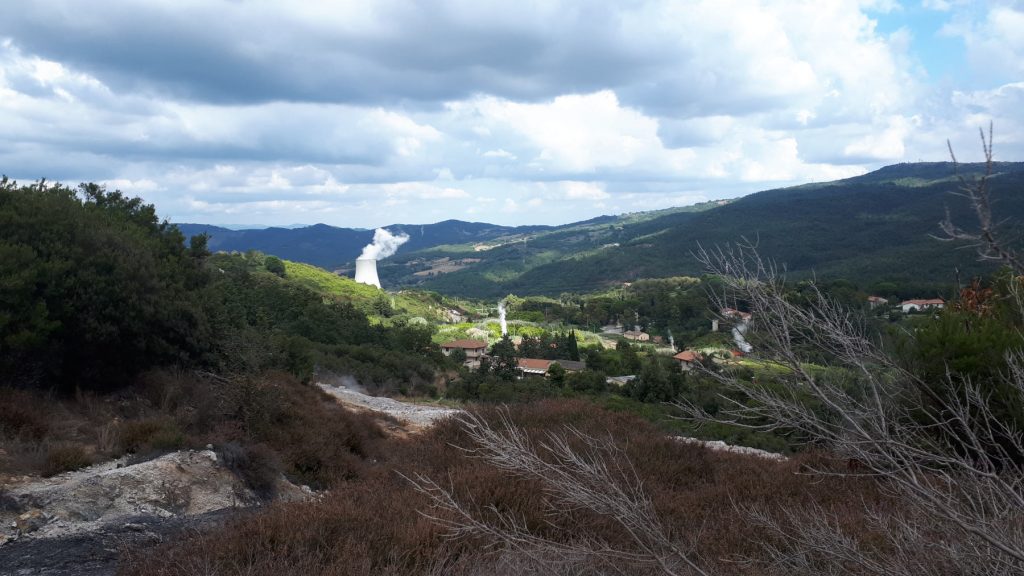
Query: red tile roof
x=535, y=364
x=734, y=313
x=465, y=344
x=687, y=356
x=930, y=302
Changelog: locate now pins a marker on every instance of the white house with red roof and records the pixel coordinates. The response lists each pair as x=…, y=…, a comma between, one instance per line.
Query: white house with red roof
x=918, y=305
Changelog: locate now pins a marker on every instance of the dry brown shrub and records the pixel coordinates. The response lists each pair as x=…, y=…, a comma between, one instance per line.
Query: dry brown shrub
x=22, y=416
x=65, y=458
x=371, y=525
x=149, y=435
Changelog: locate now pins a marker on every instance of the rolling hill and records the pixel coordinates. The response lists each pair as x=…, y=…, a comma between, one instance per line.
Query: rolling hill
x=876, y=227
x=331, y=247
x=871, y=228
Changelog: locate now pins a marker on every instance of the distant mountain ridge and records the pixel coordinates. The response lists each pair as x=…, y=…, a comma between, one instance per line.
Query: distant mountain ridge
x=878, y=226
x=330, y=247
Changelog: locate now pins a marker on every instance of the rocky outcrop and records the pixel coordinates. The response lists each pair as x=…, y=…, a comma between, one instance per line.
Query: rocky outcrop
x=182, y=483
x=75, y=523
x=719, y=446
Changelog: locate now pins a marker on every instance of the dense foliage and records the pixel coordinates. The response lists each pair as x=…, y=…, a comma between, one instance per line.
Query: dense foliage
x=96, y=289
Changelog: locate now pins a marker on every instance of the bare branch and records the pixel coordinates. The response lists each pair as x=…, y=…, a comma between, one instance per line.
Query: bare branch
x=985, y=239
x=597, y=478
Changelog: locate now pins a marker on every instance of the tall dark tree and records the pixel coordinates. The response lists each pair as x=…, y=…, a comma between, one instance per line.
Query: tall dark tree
x=504, y=363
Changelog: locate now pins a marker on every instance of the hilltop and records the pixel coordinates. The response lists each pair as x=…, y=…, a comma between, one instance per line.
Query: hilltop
x=331, y=247
x=877, y=227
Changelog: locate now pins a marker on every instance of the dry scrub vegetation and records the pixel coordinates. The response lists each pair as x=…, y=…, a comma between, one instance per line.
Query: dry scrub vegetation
x=262, y=426
x=377, y=522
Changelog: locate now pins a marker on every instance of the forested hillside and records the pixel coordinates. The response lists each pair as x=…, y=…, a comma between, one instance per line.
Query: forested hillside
x=876, y=227
x=330, y=247
x=97, y=290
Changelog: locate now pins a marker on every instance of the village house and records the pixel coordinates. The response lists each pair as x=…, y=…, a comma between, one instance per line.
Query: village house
x=876, y=301
x=736, y=314
x=918, y=305
x=540, y=367
x=686, y=359
x=474, y=349
x=636, y=335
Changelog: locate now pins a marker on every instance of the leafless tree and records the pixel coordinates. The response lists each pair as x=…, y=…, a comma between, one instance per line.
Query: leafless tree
x=986, y=238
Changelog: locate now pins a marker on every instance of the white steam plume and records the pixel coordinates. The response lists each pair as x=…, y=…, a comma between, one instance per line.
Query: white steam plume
x=671, y=340
x=737, y=335
x=501, y=318
x=384, y=244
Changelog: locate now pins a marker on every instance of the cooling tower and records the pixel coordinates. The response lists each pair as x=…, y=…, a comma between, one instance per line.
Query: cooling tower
x=366, y=271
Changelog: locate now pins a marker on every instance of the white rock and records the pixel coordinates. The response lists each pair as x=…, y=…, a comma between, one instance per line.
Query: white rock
x=720, y=446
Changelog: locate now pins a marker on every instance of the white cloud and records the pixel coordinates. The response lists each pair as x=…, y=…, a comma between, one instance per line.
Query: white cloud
x=884, y=144
x=578, y=133
x=995, y=43
x=499, y=153
x=419, y=190
x=584, y=191
x=940, y=5
x=576, y=107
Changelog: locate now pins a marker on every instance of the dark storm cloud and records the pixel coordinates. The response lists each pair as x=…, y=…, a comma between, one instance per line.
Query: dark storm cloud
x=241, y=53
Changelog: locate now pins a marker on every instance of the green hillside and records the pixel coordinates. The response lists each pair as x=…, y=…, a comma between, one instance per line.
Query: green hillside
x=377, y=304
x=876, y=227
x=509, y=257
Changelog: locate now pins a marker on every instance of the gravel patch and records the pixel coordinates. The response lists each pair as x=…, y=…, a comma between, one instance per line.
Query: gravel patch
x=416, y=415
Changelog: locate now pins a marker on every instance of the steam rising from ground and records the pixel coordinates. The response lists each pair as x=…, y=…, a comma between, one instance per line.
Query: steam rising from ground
x=384, y=244
x=737, y=335
x=501, y=318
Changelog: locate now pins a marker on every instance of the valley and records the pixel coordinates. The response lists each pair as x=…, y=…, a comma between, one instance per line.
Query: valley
x=209, y=409
x=492, y=288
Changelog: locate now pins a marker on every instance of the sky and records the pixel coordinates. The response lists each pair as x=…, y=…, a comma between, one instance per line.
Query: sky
x=365, y=113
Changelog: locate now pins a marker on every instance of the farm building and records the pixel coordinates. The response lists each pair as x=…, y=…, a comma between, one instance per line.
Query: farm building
x=686, y=359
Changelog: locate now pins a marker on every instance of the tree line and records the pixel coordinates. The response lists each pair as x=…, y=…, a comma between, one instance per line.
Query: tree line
x=95, y=289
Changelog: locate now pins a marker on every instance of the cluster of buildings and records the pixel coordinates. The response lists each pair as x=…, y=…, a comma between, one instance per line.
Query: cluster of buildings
x=913, y=305
x=476, y=350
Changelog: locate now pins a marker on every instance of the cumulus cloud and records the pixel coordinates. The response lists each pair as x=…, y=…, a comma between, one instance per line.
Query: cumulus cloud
x=994, y=41
x=584, y=191
x=283, y=112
